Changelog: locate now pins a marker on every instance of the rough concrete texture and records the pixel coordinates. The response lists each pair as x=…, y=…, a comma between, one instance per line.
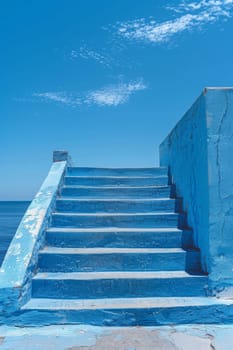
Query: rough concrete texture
x=184, y=151
x=198, y=152
x=21, y=258
x=201, y=337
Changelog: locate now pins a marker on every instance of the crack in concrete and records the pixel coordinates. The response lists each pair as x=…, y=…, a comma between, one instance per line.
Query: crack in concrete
x=219, y=131
x=211, y=337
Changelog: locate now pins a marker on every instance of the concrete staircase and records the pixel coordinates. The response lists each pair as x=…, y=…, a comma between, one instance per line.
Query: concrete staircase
x=118, y=252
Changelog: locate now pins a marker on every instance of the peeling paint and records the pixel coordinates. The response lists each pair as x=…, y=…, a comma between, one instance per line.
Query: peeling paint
x=18, y=235
x=21, y=258
x=14, y=249
x=27, y=258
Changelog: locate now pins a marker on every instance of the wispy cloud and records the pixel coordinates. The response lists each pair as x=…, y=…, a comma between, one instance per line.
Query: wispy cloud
x=88, y=54
x=193, y=15
x=114, y=95
x=220, y=7
x=111, y=95
x=60, y=97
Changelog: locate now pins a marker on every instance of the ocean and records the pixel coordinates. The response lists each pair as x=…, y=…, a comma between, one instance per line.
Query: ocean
x=10, y=216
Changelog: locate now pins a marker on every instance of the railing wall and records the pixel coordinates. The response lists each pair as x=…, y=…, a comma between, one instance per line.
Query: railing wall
x=21, y=258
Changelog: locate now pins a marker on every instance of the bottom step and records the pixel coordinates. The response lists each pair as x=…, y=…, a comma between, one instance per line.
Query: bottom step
x=90, y=285
x=127, y=312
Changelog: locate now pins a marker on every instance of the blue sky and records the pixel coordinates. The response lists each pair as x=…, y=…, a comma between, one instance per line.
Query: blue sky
x=106, y=80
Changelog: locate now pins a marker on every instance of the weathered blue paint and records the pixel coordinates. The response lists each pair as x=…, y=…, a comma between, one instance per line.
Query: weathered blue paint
x=116, y=180
x=188, y=337
x=120, y=206
x=117, y=259
x=113, y=248
x=135, y=237
x=127, y=312
x=117, y=192
x=199, y=153
x=116, y=220
x=135, y=172
x=21, y=258
x=59, y=156
x=119, y=238
x=117, y=284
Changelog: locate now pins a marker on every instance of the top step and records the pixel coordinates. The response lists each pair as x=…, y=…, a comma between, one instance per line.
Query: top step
x=76, y=171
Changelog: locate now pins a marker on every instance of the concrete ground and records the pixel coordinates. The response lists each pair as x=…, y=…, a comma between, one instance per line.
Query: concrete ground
x=188, y=337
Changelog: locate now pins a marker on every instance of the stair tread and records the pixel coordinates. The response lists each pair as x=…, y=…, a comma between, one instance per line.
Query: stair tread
x=115, y=177
x=122, y=303
x=115, y=275
x=117, y=168
x=114, y=229
x=117, y=187
x=140, y=200
x=115, y=199
x=57, y=250
x=117, y=214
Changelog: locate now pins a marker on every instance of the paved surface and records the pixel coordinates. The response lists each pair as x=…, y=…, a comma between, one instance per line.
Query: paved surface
x=190, y=337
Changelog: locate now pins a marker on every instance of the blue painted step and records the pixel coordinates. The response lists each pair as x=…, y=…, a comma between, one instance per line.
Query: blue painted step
x=117, y=192
x=93, y=285
x=117, y=205
x=116, y=180
x=116, y=220
x=116, y=171
x=115, y=237
x=54, y=259
x=127, y=311
x=119, y=238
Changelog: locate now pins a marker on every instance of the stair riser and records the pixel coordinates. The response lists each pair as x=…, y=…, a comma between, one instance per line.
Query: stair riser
x=154, y=316
x=116, y=172
x=94, y=206
x=115, y=288
x=119, y=262
x=105, y=181
x=120, y=239
x=117, y=192
x=89, y=221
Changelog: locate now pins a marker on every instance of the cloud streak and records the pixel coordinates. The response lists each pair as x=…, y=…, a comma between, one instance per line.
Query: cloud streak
x=111, y=95
x=88, y=54
x=114, y=95
x=219, y=7
x=60, y=97
x=194, y=15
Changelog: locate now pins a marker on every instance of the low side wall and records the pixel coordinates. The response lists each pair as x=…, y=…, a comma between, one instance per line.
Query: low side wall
x=199, y=154
x=219, y=114
x=21, y=258
x=184, y=151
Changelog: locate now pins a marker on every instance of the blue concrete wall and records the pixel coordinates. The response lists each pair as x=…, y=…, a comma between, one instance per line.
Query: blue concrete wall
x=199, y=154
x=185, y=152
x=21, y=258
x=219, y=115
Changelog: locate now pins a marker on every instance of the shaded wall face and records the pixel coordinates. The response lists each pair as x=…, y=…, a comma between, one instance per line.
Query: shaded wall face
x=219, y=110
x=199, y=152
x=184, y=151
